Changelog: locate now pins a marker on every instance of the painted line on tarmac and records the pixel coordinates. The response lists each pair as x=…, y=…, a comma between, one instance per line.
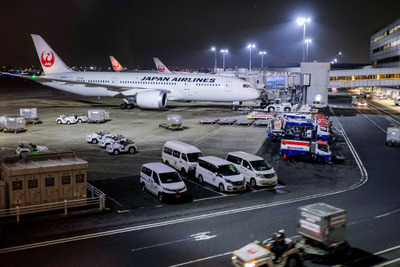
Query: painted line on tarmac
x=206, y=187
x=203, y=259
x=362, y=181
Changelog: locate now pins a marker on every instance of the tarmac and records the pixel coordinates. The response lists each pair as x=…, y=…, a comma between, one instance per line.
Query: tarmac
x=141, y=126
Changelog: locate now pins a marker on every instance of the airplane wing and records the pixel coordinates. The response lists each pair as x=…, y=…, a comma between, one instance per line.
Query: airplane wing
x=125, y=91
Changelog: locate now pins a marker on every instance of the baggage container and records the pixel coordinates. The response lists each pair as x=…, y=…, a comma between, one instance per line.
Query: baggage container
x=3, y=120
x=323, y=223
x=28, y=113
x=15, y=124
x=98, y=115
x=393, y=136
x=174, y=119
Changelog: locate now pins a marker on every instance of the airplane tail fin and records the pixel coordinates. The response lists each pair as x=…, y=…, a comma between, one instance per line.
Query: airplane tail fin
x=51, y=62
x=160, y=66
x=115, y=64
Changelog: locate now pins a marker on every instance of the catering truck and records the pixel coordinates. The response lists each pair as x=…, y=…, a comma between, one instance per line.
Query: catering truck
x=321, y=237
x=294, y=150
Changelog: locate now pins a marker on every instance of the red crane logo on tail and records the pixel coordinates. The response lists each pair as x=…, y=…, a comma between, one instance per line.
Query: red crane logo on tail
x=116, y=65
x=161, y=68
x=47, y=59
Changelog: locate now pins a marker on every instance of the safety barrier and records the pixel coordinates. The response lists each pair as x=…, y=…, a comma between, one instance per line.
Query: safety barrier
x=97, y=198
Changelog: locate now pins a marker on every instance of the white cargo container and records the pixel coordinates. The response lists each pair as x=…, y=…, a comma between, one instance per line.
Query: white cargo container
x=15, y=124
x=3, y=120
x=28, y=113
x=98, y=115
x=323, y=223
x=393, y=136
x=174, y=119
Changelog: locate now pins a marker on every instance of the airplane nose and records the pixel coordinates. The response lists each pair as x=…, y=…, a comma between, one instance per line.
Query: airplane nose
x=256, y=93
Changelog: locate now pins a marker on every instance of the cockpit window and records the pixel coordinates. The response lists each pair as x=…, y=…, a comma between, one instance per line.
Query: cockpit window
x=246, y=85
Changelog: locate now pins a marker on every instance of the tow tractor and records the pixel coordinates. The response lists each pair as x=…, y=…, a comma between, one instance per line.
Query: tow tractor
x=64, y=119
x=28, y=148
x=109, y=140
x=321, y=230
x=122, y=146
x=95, y=137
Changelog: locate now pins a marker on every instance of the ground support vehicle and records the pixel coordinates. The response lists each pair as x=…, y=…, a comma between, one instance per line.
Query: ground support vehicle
x=294, y=150
x=81, y=118
x=321, y=230
x=171, y=127
x=393, y=136
x=319, y=104
x=396, y=100
x=122, y=146
x=244, y=121
x=255, y=169
x=259, y=254
x=278, y=106
x=226, y=121
x=29, y=148
x=257, y=115
x=95, y=137
x=110, y=139
x=261, y=123
x=162, y=181
x=64, y=119
x=300, y=127
x=358, y=101
x=219, y=173
x=181, y=156
x=209, y=120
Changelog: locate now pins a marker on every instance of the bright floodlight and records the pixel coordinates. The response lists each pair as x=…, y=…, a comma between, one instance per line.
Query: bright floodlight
x=224, y=51
x=251, y=46
x=302, y=21
x=308, y=41
x=213, y=48
x=263, y=53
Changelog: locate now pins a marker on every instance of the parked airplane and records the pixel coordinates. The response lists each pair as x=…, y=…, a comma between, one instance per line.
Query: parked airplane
x=147, y=90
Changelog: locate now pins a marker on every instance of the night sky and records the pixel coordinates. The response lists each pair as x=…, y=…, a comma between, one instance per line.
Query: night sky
x=86, y=32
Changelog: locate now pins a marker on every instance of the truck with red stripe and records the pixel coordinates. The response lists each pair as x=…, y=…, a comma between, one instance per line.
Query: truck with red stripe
x=294, y=150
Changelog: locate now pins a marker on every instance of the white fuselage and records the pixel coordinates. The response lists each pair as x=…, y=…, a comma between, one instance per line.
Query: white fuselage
x=180, y=87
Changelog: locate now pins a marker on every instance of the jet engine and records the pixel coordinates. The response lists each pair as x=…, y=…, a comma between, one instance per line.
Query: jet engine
x=151, y=99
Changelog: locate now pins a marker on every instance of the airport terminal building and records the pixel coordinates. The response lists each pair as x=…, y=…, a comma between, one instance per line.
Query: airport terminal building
x=385, y=46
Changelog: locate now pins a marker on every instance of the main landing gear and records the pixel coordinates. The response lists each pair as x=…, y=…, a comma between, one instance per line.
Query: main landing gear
x=127, y=104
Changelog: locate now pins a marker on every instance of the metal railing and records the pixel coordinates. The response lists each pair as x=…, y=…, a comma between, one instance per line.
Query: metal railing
x=97, y=198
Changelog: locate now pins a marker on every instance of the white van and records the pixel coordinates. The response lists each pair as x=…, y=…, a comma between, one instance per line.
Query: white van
x=162, y=181
x=181, y=156
x=219, y=173
x=255, y=169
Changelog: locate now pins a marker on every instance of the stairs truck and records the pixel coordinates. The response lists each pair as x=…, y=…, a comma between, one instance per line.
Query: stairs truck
x=295, y=150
